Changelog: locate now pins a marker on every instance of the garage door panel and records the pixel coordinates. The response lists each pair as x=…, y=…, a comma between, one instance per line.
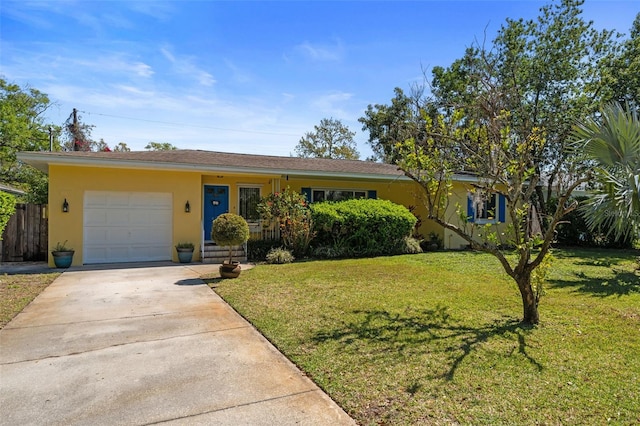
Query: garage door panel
x=95, y=200
x=94, y=217
x=117, y=218
x=151, y=218
x=115, y=200
x=127, y=226
x=151, y=201
x=144, y=237
x=157, y=217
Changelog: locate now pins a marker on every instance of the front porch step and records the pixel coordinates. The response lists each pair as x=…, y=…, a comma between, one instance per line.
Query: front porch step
x=213, y=253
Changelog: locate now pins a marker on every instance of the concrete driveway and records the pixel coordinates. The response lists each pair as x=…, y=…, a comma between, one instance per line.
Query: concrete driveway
x=141, y=344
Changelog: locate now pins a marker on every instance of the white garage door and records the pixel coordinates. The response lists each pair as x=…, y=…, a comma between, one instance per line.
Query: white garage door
x=127, y=226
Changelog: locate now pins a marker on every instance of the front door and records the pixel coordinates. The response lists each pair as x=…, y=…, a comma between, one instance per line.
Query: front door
x=216, y=202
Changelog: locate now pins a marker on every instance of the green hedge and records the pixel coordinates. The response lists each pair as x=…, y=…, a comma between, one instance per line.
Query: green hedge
x=7, y=208
x=362, y=227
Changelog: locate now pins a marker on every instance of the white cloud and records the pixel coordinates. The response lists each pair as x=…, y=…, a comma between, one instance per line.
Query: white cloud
x=332, y=103
x=185, y=66
x=142, y=70
x=167, y=54
x=239, y=75
x=160, y=10
x=321, y=53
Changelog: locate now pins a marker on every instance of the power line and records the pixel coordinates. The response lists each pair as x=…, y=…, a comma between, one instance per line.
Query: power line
x=190, y=125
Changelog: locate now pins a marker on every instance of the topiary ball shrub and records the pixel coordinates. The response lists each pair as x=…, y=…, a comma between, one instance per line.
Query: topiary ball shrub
x=280, y=256
x=230, y=230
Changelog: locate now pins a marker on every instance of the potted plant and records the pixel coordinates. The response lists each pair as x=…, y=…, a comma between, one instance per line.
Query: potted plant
x=230, y=230
x=62, y=255
x=185, y=252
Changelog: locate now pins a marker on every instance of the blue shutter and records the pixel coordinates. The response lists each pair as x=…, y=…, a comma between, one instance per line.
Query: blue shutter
x=471, y=214
x=372, y=194
x=502, y=208
x=307, y=193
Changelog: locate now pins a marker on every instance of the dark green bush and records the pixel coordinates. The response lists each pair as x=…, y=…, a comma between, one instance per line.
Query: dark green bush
x=257, y=249
x=362, y=227
x=573, y=231
x=7, y=208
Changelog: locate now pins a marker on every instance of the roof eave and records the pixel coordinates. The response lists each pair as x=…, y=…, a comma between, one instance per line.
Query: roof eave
x=42, y=162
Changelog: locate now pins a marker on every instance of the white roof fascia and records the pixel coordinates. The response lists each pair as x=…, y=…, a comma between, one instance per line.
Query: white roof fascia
x=40, y=160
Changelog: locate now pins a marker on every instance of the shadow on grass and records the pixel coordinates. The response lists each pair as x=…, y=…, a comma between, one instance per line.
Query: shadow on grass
x=429, y=330
x=622, y=283
x=597, y=256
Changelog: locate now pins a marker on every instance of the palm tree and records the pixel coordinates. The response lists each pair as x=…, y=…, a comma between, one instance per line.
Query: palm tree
x=612, y=142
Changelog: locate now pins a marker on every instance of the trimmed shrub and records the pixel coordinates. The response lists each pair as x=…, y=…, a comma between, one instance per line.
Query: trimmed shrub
x=361, y=227
x=230, y=230
x=279, y=255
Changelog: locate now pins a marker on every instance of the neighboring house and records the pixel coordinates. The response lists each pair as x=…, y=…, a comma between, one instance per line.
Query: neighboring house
x=11, y=190
x=135, y=206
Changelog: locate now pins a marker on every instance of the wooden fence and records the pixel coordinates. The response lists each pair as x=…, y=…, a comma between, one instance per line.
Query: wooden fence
x=25, y=237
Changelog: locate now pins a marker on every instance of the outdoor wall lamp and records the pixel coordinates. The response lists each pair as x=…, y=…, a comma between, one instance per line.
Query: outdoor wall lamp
x=187, y=207
x=65, y=206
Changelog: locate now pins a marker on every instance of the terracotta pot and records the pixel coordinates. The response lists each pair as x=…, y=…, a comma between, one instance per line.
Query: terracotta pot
x=230, y=270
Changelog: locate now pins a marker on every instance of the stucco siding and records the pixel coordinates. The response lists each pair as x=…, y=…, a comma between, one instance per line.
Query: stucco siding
x=70, y=183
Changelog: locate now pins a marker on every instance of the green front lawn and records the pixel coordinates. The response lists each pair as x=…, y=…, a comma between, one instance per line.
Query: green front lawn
x=435, y=338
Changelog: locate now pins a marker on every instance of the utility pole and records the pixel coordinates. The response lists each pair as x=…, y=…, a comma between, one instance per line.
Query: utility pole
x=50, y=139
x=74, y=132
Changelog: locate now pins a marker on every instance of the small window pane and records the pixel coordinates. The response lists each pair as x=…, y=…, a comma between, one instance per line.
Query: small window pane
x=487, y=209
x=249, y=199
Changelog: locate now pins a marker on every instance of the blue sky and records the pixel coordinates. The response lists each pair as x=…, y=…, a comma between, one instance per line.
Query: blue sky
x=241, y=76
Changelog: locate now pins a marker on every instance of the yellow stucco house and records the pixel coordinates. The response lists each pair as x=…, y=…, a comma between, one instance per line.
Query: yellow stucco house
x=136, y=206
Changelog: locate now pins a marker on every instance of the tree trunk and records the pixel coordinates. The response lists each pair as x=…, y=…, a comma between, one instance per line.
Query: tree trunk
x=529, y=299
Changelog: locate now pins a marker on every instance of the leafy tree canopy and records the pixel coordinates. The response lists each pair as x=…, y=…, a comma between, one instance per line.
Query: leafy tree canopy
x=121, y=147
x=504, y=114
x=22, y=128
x=159, y=146
x=330, y=139
x=621, y=76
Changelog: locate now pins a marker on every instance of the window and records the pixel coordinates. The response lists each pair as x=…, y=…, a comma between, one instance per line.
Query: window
x=336, y=195
x=249, y=199
x=486, y=208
